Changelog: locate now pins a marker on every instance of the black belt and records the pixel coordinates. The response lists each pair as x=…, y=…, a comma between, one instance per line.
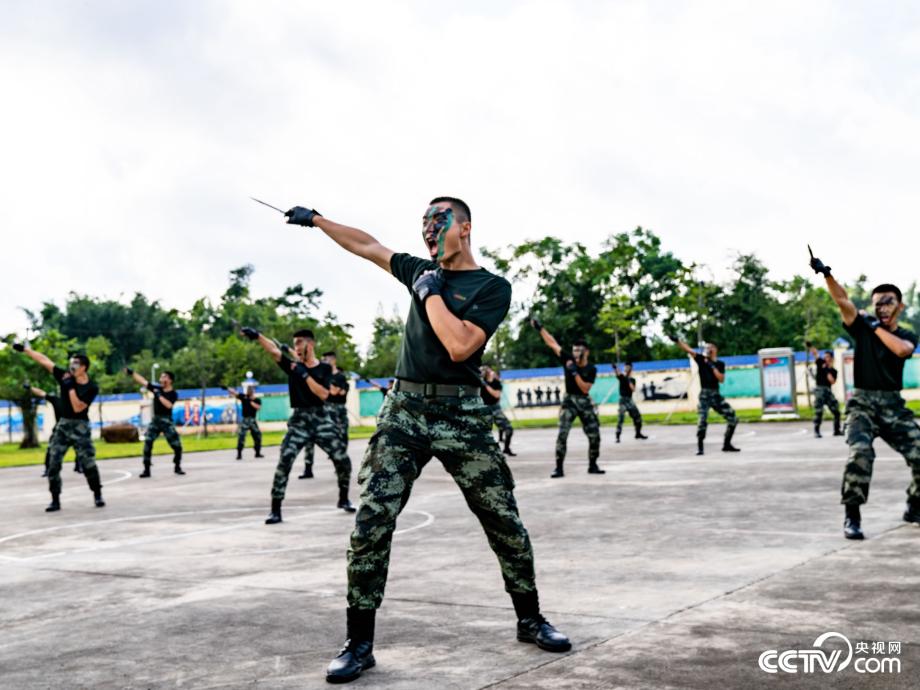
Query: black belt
x=436, y=390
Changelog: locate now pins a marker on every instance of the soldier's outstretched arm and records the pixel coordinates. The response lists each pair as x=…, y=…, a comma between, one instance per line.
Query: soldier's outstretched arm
x=356, y=241
x=550, y=341
x=683, y=346
x=36, y=357
x=137, y=377
x=38, y=392
x=847, y=309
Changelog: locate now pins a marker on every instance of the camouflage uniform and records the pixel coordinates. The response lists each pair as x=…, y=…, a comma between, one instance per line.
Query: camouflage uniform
x=67, y=433
x=581, y=406
x=824, y=397
x=251, y=425
x=870, y=414
x=712, y=399
x=505, y=430
x=411, y=429
x=339, y=415
x=628, y=405
x=309, y=425
x=162, y=425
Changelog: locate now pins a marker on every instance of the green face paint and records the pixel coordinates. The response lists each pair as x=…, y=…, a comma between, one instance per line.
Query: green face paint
x=436, y=223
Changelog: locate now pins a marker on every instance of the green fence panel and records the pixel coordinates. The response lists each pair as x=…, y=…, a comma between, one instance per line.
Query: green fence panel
x=606, y=389
x=275, y=408
x=912, y=373
x=370, y=402
x=741, y=383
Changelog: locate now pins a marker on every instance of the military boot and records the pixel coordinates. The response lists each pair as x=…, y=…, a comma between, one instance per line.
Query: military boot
x=307, y=472
x=274, y=516
x=837, y=430
x=852, y=524
x=177, y=463
x=507, y=450
x=558, y=471
x=239, y=452
x=699, y=445
x=537, y=630
x=146, y=472
x=727, y=446
x=95, y=484
x=818, y=431
x=358, y=653
x=594, y=469
x=344, y=503
x=55, y=504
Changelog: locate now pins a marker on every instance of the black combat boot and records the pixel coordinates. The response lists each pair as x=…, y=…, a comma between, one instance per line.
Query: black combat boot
x=558, y=471
x=618, y=435
x=358, y=653
x=639, y=433
x=275, y=515
x=307, y=472
x=55, y=504
x=259, y=452
x=912, y=513
x=177, y=462
x=594, y=469
x=699, y=445
x=727, y=446
x=507, y=450
x=534, y=628
x=239, y=452
x=146, y=472
x=95, y=484
x=344, y=503
x=818, y=431
x=837, y=430
x=852, y=524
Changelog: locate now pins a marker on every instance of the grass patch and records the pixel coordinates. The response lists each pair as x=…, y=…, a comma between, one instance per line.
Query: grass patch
x=11, y=455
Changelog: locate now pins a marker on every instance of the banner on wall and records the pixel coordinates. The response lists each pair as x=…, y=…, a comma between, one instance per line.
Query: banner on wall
x=777, y=381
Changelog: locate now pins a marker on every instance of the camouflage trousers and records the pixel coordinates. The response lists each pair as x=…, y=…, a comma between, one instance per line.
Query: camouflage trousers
x=712, y=399
x=309, y=425
x=505, y=430
x=69, y=433
x=873, y=414
x=580, y=406
x=339, y=414
x=411, y=429
x=165, y=426
x=628, y=405
x=250, y=425
x=824, y=397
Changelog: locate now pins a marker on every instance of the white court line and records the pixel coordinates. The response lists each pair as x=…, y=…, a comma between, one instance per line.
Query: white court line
x=124, y=475
x=429, y=519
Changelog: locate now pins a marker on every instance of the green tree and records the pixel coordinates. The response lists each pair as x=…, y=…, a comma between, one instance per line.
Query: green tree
x=385, y=343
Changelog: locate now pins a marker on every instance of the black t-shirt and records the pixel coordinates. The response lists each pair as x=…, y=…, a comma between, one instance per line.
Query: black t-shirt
x=159, y=409
x=822, y=371
x=249, y=412
x=487, y=397
x=626, y=390
x=588, y=373
x=339, y=380
x=299, y=392
x=708, y=380
x=875, y=367
x=479, y=297
x=86, y=392
x=56, y=405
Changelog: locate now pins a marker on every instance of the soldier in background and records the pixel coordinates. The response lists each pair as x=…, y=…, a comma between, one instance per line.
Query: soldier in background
x=164, y=399
x=825, y=378
x=249, y=422
x=57, y=409
x=627, y=404
x=492, y=397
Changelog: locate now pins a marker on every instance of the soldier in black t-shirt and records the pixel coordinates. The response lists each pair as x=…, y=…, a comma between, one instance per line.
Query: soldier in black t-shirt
x=492, y=397
x=73, y=427
x=57, y=409
x=712, y=372
x=164, y=399
x=825, y=378
x=627, y=404
x=876, y=408
x=335, y=406
x=579, y=377
x=435, y=410
x=250, y=406
x=310, y=422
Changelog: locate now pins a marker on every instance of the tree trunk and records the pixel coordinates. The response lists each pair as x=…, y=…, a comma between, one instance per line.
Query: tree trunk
x=29, y=416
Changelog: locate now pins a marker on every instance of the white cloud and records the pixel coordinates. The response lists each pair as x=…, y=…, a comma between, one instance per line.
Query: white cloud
x=132, y=135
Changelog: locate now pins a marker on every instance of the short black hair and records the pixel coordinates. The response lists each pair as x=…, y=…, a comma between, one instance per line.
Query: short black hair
x=459, y=206
x=828, y=352
x=582, y=342
x=305, y=333
x=83, y=359
x=887, y=287
x=331, y=353
x=172, y=376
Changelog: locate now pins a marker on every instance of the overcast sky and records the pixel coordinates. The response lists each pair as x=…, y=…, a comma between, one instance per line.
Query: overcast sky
x=133, y=133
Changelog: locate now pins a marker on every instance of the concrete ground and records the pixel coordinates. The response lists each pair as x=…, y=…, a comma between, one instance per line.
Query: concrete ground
x=670, y=571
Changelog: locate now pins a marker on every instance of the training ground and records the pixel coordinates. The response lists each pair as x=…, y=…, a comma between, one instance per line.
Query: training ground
x=670, y=571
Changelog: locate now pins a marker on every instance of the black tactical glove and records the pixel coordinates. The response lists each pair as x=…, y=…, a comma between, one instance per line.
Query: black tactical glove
x=129, y=371
x=429, y=283
x=285, y=349
x=68, y=382
x=818, y=266
x=536, y=323
x=300, y=369
x=807, y=343
x=250, y=333
x=27, y=387
x=571, y=367
x=302, y=216
x=872, y=322
x=152, y=387
x=19, y=347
